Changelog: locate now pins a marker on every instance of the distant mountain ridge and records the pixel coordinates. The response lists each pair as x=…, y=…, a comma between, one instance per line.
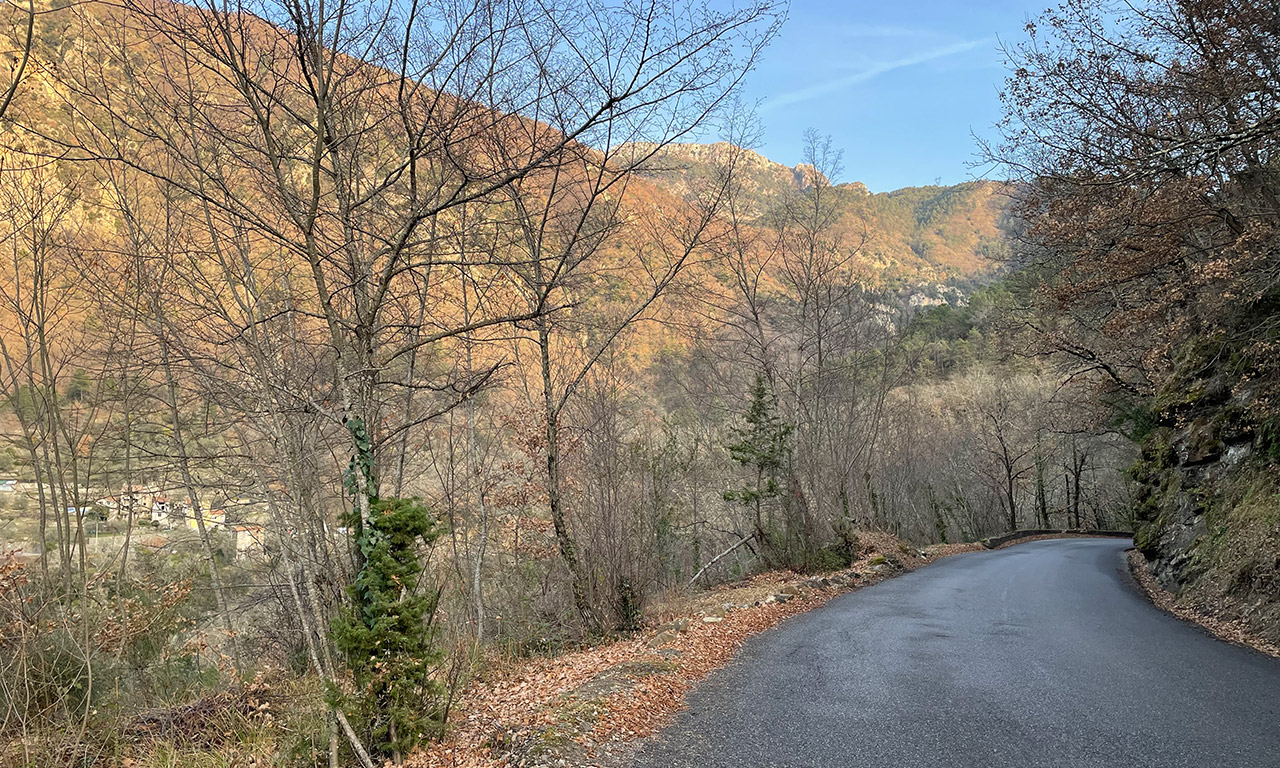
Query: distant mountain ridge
x=912, y=236
x=764, y=180
x=931, y=233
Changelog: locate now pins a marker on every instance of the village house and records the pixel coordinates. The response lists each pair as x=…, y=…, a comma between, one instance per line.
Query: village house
x=161, y=504
x=213, y=519
x=249, y=537
x=140, y=501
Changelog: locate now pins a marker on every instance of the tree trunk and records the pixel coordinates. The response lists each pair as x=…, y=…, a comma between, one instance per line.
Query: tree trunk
x=564, y=539
x=188, y=481
x=1042, y=500
x=1010, y=492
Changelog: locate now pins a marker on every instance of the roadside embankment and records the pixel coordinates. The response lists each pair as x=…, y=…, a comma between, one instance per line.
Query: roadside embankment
x=1231, y=631
x=575, y=709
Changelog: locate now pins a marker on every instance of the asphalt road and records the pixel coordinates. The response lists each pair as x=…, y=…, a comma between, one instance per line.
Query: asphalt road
x=1042, y=654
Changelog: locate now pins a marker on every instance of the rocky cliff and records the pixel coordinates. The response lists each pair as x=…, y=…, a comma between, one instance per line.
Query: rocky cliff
x=1208, y=515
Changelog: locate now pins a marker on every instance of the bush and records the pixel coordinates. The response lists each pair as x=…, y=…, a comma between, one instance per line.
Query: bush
x=832, y=557
x=630, y=613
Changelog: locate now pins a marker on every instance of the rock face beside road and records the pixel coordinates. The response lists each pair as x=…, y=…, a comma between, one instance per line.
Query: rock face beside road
x=1042, y=654
x=1207, y=490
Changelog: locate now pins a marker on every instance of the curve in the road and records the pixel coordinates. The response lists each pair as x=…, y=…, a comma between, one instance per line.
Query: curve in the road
x=1043, y=654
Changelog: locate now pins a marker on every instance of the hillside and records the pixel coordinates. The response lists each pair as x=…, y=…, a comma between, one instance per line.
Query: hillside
x=915, y=234
x=1207, y=494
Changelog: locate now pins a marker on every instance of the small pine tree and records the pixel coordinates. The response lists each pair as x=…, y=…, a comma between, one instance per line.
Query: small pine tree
x=761, y=446
x=388, y=642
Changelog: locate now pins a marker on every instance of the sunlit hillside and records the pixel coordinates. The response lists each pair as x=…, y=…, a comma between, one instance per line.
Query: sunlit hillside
x=916, y=234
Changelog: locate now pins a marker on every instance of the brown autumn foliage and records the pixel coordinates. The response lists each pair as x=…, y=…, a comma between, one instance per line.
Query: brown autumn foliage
x=1149, y=185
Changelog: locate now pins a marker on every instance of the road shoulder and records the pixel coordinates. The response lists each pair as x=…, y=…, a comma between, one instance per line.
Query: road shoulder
x=1233, y=632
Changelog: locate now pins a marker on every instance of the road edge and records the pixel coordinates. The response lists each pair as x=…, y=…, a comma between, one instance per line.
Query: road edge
x=594, y=707
x=1227, y=631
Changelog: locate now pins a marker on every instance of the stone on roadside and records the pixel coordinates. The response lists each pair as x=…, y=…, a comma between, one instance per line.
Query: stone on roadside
x=662, y=638
x=679, y=625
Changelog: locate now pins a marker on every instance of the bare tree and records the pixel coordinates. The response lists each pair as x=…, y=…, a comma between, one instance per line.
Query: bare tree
x=579, y=237
x=319, y=162
x=25, y=21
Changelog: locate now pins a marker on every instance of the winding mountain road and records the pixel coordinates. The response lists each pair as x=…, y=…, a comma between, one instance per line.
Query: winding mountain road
x=1042, y=654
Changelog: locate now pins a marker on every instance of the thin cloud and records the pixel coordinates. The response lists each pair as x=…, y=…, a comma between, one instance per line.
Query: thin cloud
x=840, y=83
x=887, y=31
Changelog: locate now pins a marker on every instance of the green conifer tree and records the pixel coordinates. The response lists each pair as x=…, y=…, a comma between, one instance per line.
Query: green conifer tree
x=387, y=635
x=761, y=445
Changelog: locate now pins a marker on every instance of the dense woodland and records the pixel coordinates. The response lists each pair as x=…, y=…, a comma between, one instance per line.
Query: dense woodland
x=347, y=348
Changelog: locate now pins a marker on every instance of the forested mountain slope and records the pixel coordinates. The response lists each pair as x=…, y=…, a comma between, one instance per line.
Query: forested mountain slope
x=911, y=234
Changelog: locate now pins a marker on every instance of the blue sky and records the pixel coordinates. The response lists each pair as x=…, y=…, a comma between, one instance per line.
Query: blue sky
x=901, y=85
